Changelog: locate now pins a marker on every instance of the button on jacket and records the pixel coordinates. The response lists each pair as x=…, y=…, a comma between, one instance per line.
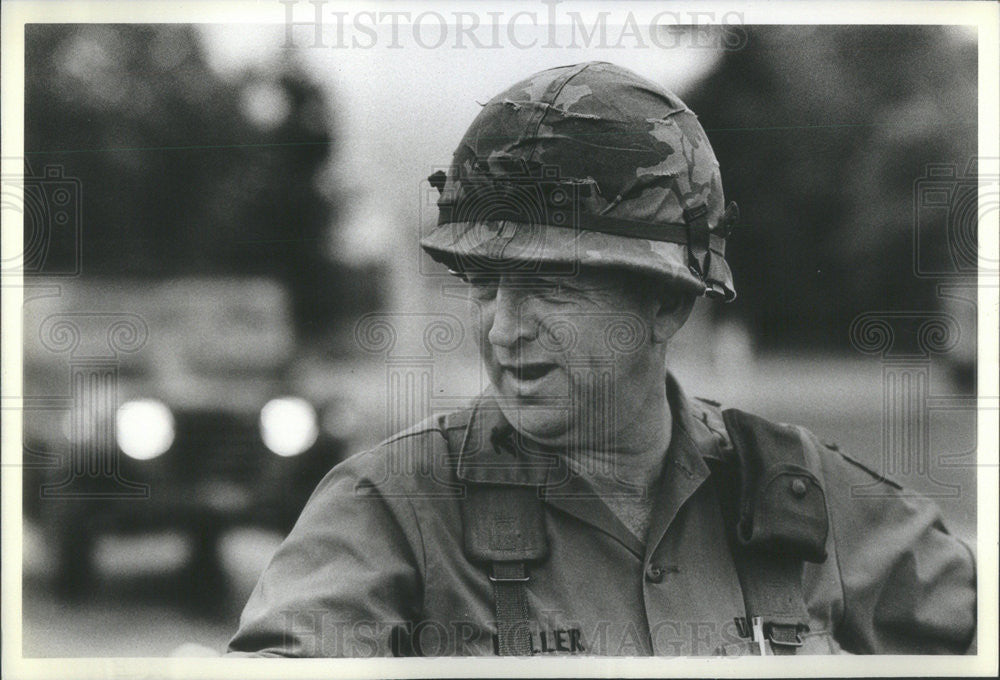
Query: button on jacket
x=375, y=565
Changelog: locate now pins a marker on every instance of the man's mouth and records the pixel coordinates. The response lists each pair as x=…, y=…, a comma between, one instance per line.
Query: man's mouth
x=528, y=372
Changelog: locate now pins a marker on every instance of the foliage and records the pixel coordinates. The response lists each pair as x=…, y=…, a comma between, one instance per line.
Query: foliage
x=182, y=171
x=822, y=134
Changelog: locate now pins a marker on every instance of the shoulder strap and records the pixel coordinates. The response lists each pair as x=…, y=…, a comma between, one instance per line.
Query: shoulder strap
x=775, y=512
x=504, y=526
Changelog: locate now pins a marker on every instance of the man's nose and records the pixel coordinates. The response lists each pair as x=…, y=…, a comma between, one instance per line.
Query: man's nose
x=510, y=322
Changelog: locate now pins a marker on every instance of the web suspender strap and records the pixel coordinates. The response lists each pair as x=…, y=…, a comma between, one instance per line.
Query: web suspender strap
x=510, y=596
x=775, y=604
x=505, y=527
x=775, y=511
x=773, y=507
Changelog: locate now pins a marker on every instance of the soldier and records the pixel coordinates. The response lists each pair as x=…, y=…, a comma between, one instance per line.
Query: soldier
x=583, y=504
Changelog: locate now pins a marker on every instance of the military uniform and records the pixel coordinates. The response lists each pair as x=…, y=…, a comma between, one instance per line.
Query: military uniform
x=376, y=563
x=590, y=165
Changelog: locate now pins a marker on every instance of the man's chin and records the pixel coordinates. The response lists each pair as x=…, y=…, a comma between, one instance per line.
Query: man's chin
x=544, y=424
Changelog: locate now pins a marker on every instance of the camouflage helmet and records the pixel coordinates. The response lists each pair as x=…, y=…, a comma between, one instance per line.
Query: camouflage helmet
x=586, y=165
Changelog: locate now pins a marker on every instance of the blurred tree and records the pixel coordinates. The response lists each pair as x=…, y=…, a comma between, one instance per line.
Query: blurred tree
x=183, y=172
x=822, y=134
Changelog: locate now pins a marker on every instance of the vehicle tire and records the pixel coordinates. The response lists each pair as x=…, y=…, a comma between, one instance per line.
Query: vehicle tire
x=73, y=543
x=207, y=585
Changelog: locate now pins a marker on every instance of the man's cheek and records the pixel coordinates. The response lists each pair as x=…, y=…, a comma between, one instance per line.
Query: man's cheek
x=481, y=333
x=481, y=323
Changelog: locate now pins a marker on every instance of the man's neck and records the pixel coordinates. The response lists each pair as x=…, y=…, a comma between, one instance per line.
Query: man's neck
x=628, y=455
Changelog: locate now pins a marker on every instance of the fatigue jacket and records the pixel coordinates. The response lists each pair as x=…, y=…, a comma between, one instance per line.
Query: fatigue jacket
x=375, y=565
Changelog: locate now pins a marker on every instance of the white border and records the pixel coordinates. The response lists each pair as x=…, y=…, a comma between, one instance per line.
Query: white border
x=984, y=15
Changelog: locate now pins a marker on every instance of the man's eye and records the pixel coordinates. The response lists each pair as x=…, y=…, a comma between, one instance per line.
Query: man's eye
x=482, y=289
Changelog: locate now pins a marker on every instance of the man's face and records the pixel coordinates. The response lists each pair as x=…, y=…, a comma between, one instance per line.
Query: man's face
x=567, y=352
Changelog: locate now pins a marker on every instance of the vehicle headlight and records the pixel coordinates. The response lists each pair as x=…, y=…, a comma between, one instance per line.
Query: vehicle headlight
x=288, y=425
x=144, y=428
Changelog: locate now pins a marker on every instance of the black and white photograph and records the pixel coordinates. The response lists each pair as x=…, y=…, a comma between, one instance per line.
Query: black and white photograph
x=518, y=339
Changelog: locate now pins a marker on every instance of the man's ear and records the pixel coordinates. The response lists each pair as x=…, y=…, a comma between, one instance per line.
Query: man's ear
x=672, y=313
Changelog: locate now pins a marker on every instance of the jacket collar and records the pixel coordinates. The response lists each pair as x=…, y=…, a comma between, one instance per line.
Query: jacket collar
x=494, y=452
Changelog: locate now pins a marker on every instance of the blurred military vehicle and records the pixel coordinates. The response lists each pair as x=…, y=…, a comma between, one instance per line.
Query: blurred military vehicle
x=166, y=405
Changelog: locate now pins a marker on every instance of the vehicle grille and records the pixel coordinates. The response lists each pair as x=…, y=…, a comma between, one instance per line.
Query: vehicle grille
x=214, y=444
